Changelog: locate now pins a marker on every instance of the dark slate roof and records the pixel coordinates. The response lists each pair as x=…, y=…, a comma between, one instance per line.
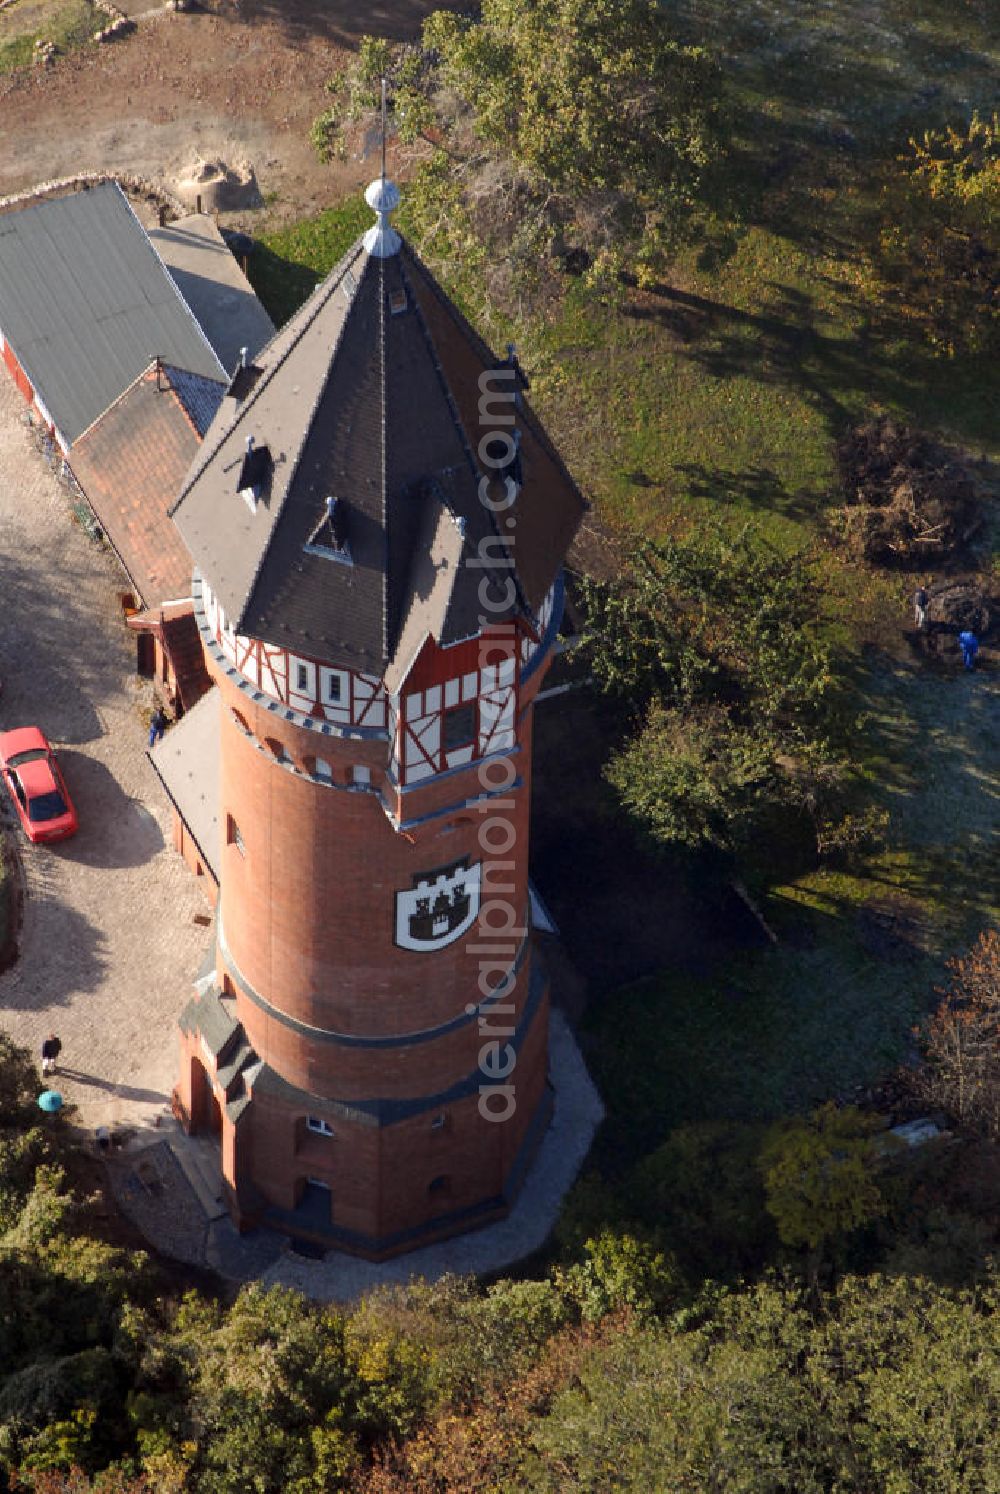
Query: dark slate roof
x=378, y=409
x=86, y=303
x=200, y=397
x=131, y=462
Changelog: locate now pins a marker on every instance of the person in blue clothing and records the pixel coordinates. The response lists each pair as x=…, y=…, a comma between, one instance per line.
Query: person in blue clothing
x=157, y=726
x=969, y=644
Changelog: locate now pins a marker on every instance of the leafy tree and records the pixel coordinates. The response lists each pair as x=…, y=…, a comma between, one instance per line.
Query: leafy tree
x=892, y=1388
x=819, y=1175
x=961, y=1072
x=565, y=125
x=940, y=253
x=703, y=1194
x=618, y=1272
x=19, y=1084
x=716, y=640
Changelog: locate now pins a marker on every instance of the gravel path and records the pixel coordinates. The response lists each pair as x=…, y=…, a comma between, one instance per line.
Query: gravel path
x=108, y=947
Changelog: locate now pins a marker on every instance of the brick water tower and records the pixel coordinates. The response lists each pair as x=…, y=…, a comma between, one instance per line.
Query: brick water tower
x=378, y=525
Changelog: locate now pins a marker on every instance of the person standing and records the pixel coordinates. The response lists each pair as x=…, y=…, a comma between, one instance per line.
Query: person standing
x=920, y=600
x=51, y=1049
x=157, y=726
x=969, y=644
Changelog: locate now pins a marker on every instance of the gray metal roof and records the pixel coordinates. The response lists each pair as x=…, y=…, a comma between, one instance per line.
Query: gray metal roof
x=187, y=764
x=213, y=285
x=369, y=395
x=86, y=304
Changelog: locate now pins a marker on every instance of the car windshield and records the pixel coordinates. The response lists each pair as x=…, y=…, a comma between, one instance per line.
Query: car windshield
x=33, y=755
x=46, y=807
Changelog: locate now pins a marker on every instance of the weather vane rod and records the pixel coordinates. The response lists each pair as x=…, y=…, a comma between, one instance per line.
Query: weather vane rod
x=383, y=126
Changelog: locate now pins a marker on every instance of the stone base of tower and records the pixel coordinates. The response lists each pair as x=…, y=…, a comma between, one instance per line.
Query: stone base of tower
x=343, y=1177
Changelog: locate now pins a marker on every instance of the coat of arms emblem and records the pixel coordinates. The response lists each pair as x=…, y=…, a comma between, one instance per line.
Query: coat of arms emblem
x=439, y=907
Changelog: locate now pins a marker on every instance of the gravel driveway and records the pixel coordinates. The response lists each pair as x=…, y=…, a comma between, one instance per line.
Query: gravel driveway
x=109, y=945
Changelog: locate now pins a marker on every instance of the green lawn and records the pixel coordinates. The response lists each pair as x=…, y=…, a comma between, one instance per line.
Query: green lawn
x=67, y=23
x=724, y=391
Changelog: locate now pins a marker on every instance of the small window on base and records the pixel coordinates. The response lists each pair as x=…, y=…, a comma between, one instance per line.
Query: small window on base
x=233, y=836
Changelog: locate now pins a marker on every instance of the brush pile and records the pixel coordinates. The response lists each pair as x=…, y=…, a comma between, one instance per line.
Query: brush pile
x=909, y=502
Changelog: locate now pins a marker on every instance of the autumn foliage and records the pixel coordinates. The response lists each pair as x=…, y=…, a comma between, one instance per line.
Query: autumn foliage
x=961, y=1073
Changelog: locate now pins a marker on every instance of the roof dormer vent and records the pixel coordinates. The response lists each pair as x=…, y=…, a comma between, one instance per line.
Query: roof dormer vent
x=329, y=538
x=255, y=473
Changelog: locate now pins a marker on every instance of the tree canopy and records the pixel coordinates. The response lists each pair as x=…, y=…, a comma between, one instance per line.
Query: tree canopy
x=715, y=643
x=941, y=241
x=568, y=127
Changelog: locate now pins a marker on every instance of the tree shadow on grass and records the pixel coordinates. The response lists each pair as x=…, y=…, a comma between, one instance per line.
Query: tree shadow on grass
x=752, y=488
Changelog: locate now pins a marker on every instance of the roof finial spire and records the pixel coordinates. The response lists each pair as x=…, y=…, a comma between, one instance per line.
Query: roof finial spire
x=382, y=197
x=383, y=126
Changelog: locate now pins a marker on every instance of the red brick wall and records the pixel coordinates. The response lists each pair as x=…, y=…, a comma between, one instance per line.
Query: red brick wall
x=308, y=918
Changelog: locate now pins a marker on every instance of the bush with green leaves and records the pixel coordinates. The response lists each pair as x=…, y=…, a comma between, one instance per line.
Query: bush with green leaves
x=566, y=127
x=714, y=644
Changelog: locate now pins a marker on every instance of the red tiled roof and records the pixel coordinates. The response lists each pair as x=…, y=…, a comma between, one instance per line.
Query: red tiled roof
x=182, y=644
x=131, y=464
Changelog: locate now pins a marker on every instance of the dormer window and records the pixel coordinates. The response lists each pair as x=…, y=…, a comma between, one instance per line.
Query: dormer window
x=329, y=538
x=255, y=473
x=245, y=376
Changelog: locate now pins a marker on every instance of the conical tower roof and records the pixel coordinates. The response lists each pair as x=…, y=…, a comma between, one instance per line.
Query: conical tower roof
x=348, y=485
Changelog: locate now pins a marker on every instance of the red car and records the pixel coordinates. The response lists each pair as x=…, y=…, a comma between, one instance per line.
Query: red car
x=36, y=785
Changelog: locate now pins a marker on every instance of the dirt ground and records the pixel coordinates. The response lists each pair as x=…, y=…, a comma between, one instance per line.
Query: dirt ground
x=239, y=80
x=113, y=923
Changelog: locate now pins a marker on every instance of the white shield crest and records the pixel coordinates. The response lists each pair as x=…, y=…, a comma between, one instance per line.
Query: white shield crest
x=439, y=907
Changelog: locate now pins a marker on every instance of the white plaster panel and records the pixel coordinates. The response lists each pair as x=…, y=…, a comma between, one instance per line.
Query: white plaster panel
x=372, y=713
x=470, y=686
x=414, y=706
x=452, y=693
x=433, y=699
x=429, y=733
x=268, y=683
x=459, y=756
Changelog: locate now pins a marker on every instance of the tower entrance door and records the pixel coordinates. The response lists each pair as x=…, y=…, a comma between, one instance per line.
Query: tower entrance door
x=206, y=1112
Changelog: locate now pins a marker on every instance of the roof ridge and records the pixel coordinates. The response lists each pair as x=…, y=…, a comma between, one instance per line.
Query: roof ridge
x=294, y=466
x=383, y=391
x=176, y=288
x=329, y=285
x=457, y=315
x=477, y=471
x=118, y=397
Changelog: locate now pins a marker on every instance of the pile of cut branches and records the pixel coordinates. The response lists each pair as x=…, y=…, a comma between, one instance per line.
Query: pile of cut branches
x=909, y=501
